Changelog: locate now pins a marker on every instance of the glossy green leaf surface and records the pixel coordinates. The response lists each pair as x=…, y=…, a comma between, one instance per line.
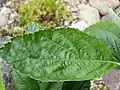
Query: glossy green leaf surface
x=59, y=55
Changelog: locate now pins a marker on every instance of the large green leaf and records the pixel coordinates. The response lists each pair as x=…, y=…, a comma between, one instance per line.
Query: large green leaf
x=23, y=82
x=59, y=55
x=109, y=33
x=76, y=85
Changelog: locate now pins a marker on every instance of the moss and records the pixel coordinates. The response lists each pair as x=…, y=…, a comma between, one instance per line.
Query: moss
x=46, y=12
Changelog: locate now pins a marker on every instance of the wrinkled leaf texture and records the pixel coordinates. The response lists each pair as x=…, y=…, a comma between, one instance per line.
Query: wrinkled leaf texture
x=58, y=55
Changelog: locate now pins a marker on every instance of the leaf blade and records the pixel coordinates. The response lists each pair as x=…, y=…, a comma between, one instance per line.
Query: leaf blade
x=60, y=55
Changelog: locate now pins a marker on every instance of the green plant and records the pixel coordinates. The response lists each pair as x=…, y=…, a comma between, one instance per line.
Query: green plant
x=56, y=55
x=46, y=12
x=62, y=59
x=56, y=50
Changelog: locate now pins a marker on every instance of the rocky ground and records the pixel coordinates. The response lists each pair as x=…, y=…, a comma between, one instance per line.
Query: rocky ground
x=84, y=14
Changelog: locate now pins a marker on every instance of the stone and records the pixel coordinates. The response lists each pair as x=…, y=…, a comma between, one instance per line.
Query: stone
x=117, y=10
x=4, y=40
x=106, y=17
x=81, y=25
x=3, y=20
x=98, y=84
x=112, y=80
x=74, y=15
x=89, y=14
x=13, y=16
x=101, y=5
x=66, y=23
x=73, y=9
x=5, y=11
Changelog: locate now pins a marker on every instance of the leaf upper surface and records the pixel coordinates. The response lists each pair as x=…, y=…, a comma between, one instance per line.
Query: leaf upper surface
x=59, y=55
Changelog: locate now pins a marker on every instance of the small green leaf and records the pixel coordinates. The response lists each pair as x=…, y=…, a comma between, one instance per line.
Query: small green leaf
x=76, y=85
x=23, y=82
x=59, y=55
x=109, y=33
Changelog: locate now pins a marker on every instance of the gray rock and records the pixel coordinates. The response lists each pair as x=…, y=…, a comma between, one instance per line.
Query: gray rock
x=89, y=14
x=5, y=11
x=3, y=20
x=100, y=5
x=66, y=23
x=13, y=16
x=98, y=84
x=81, y=25
x=112, y=80
x=117, y=10
x=74, y=15
x=106, y=17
